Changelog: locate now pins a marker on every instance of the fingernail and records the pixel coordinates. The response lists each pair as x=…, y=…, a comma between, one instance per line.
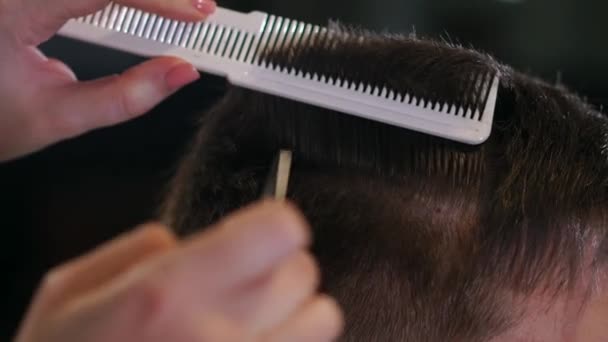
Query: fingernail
x=180, y=75
x=205, y=7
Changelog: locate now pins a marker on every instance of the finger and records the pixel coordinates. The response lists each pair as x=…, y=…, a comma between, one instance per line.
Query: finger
x=188, y=10
x=34, y=21
x=321, y=320
x=245, y=245
x=265, y=303
x=81, y=107
x=240, y=249
x=194, y=280
x=108, y=261
x=94, y=270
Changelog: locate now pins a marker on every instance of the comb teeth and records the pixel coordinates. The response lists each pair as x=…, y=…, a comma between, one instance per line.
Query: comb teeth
x=251, y=50
x=208, y=37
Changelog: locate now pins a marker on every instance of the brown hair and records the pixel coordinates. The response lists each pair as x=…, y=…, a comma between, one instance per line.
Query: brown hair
x=418, y=238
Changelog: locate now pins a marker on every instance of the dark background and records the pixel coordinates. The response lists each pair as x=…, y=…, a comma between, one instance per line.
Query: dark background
x=63, y=201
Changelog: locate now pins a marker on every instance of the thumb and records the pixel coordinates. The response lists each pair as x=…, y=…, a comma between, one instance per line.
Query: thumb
x=80, y=107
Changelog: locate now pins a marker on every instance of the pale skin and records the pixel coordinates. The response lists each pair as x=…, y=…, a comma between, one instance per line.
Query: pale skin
x=250, y=278
x=41, y=100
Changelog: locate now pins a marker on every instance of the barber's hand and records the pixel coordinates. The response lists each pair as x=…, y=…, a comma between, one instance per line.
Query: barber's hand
x=41, y=102
x=248, y=280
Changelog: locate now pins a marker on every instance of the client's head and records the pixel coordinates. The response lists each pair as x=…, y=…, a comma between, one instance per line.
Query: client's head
x=419, y=238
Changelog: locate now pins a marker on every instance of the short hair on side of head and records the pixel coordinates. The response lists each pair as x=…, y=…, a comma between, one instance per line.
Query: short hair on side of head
x=418, y=238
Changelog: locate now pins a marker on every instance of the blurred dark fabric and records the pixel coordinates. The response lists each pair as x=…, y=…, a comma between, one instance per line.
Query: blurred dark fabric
x=65, y=200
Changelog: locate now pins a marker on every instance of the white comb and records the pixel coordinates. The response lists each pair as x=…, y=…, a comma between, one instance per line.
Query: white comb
x=234, y=44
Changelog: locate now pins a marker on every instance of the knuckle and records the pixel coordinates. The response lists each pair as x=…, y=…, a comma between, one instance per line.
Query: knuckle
x=53, y=281
x=332, y=309
x=124, y=105
x=122, y=102
x=56, y=127
x=292, y=225
x=156, y=237
x=58, y=123
x=153, y=302
x=307, y=271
